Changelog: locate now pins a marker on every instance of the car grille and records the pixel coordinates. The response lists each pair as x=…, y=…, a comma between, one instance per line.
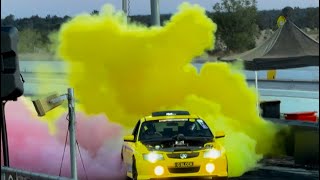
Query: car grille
x=184, y=170
x=177, y=155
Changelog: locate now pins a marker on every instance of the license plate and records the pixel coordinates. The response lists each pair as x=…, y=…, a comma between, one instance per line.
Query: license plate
x=184, y=164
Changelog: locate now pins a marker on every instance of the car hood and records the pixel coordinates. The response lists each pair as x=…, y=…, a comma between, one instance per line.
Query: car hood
x=183, y=148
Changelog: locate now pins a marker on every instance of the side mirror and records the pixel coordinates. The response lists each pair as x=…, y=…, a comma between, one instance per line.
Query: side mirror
x=129, y=138
x=219, y=134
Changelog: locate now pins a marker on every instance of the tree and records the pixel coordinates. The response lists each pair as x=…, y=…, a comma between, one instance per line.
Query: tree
x=29, y=41
x=95, y=12
x=236, y=20
x=312, y=16
x=267, y=19
x=53, y=42
x=9, y=20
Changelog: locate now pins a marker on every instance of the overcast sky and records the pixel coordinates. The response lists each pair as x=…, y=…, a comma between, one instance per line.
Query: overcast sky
x=27, y=8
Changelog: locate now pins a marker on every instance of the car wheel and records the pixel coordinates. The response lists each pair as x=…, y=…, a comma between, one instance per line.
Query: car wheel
x=134, y=169
x=125, y=169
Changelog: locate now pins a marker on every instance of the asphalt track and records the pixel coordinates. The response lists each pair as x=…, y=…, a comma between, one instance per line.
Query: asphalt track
x=279, y=169
x=280, y=173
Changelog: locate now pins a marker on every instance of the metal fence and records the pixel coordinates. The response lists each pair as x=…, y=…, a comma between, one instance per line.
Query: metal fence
x=8, y=173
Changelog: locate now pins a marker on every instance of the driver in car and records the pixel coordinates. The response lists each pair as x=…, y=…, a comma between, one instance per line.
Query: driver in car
x=189, y=128
x=150, y=132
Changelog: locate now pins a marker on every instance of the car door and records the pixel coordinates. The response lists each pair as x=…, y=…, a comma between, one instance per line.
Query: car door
x=129, y=147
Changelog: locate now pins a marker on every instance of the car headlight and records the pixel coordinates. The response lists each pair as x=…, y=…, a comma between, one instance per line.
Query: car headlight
x=212, y=153
x=152, y=157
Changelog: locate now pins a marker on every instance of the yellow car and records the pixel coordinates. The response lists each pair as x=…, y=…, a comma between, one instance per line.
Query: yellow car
x=171, y=144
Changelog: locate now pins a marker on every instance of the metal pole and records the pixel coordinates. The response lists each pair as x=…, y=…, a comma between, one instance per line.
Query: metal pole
x=155, y=13
x=5, y=148
x=257, y=90
x=72, y=131
x=125, y=6
x=256, y=80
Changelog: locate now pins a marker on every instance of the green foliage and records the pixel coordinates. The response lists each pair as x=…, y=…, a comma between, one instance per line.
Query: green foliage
x=236, y=20
x=308, y=17
x=53, y=42
x=95, y=12
x=9, y=20
x=30, y=41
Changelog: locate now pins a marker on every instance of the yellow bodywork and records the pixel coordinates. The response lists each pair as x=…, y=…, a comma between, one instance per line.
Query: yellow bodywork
x=134, y=152
x=271, y=74
x=281, y=21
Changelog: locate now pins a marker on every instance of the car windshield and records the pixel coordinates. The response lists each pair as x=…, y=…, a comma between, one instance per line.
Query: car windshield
x=170, y=128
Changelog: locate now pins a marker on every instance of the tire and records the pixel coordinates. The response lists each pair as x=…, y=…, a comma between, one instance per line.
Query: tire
x=134, y=169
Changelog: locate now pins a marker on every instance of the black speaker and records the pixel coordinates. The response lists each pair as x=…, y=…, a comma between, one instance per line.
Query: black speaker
x=11, y=79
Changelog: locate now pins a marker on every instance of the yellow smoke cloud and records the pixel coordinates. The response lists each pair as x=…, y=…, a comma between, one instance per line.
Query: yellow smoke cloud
x=127, y=70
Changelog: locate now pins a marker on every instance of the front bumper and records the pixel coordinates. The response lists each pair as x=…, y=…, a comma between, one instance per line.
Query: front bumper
x=146, y=169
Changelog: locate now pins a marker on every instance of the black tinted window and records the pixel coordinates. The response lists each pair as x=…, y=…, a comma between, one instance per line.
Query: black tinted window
x=169, y=128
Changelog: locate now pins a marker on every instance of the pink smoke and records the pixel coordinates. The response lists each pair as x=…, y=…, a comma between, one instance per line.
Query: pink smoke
x=32, y=148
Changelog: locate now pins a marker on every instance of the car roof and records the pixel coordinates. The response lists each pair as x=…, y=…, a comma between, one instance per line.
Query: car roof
x=153, y=118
